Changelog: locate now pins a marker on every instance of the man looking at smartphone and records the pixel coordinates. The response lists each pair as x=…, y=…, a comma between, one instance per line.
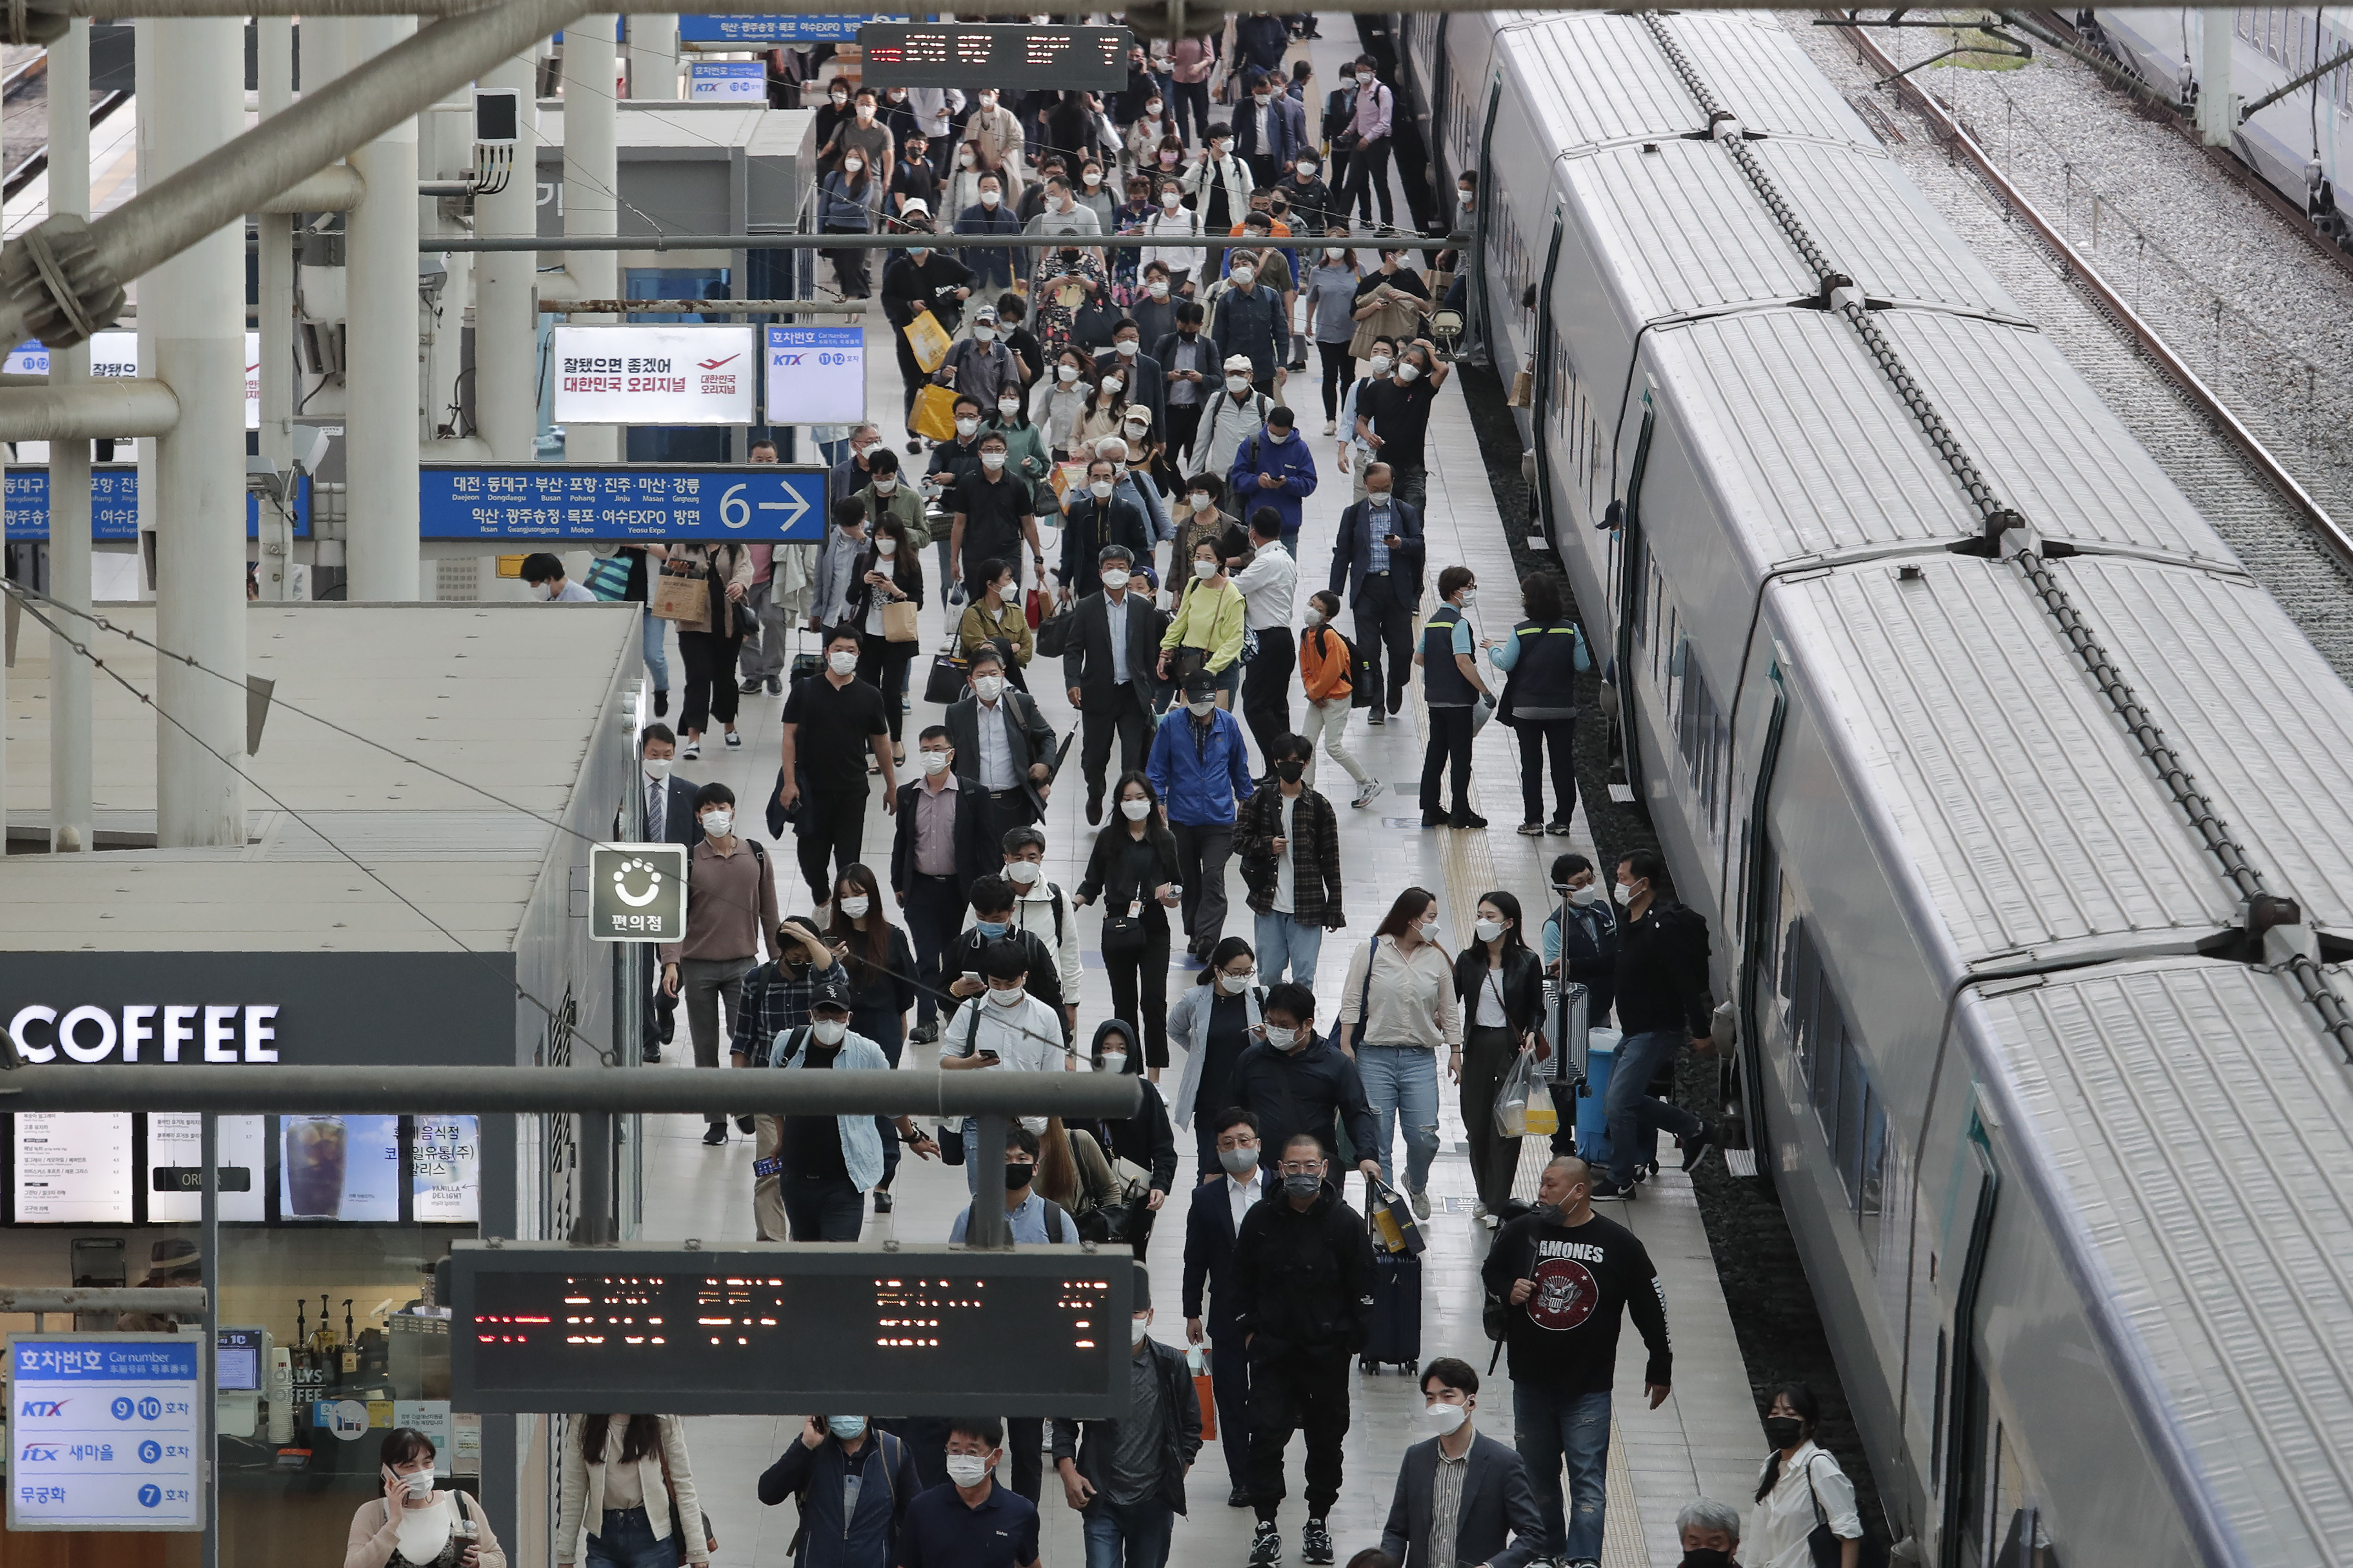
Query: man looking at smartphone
x=1377, y=559
x=1009, y=1029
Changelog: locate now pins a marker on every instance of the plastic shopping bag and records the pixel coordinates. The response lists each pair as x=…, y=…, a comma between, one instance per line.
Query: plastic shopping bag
x=1515, y=1103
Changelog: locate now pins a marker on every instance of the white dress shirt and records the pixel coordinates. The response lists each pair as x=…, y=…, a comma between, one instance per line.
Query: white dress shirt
x=1268, y=586
x=1027, y=1037
x=1116, y=622
x=995, y=748
x=1243, y=1193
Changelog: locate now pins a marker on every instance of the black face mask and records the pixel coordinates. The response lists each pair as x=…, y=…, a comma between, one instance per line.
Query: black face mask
x=1017, y=1176
x=1784, y=1431
x=1289, y=772
x=1707, y=1557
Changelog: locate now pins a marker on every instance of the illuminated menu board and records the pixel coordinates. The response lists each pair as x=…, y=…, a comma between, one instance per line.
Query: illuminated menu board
x=175, y=1141
x=1010, y=56
x=445, y=1170
x=914, y=1331
x=73, y=1167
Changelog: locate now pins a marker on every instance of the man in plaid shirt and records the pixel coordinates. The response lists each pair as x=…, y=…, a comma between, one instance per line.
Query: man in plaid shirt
x=777, y=994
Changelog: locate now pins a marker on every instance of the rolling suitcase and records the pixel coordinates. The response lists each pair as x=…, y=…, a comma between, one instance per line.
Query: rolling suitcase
x=1396, y=1336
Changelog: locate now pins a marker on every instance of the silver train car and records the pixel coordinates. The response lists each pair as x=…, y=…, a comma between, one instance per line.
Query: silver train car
x=2300, y=145
x=2061, y=1133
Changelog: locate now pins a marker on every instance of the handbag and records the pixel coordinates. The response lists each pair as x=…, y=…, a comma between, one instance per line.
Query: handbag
x=608, y=578
x=899, y=620
x=678, y=1525
x=1119, y=1219
x=1054, y=632
x=947, y=674
x=934, y=414
x=683, y=593
x=929, y=342
x=1205, y=1394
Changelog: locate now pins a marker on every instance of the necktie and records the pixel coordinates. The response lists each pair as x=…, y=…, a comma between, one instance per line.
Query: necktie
x=654, y=809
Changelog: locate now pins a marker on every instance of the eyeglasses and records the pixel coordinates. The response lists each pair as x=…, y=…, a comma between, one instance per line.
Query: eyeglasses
x=1301, y=1167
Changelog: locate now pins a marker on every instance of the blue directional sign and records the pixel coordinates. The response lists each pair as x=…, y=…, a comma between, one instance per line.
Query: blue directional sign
x=114, y=503
x=104, y=1432
x=712, y=30
x=766, y=502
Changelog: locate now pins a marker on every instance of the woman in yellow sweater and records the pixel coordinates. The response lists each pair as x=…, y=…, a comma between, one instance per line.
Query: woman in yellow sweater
x=1207, y=630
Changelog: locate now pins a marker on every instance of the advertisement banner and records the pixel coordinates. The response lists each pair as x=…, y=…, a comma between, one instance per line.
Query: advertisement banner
x=760, y=31
x=664, y=374
x=117, y=354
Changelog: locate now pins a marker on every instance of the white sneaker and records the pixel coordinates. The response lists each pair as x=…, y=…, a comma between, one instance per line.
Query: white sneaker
x=1331, y=427
x=1367, y=792
x=1421, y=1203
x=690, y=750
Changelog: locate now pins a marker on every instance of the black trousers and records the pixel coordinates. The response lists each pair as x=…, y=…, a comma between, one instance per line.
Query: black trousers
x=1368, y=177
x=912, y=375
x=1230, y=1381
x=1202, y=851
x=1184, y=424
x=832, y=827
x=1449, y=744
x=1007, y=809
x=1412, y=481
x=1139, y=987
x=1336, y=361
x=710, y=679
x=850, y=266
x=1298, y=1390
x=885, y=664
x=1266, y=691
x=1489, y=1052
x=1026, y=1436
x=1125, y=717
x=1538, y=737
x=1383, y=623
x=935, y=908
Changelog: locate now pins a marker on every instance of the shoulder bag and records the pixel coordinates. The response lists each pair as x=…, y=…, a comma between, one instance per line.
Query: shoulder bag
x=946, y=680
x=678, y=1525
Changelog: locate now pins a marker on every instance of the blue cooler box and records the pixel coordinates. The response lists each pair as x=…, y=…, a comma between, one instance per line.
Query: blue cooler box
x=1592, y=1121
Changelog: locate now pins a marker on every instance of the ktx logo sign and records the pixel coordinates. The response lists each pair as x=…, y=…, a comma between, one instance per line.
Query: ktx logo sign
x=40, y=1409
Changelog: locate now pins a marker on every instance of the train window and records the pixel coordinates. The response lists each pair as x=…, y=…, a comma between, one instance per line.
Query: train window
x=1830, y=1054
x=1848, y=1136
x=1803, y=975
x=1872, y=1185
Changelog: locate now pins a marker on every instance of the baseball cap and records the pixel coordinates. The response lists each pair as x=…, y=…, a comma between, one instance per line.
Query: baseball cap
x=1200, y=684
x=1238, y=361
x=829, y=993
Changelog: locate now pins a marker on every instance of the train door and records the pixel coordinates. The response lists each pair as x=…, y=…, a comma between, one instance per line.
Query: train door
x=1742, y=1085
x=1540, y=404
x=1441, y=95
x=1973, y=1444
x=1475, y=255
x=1633, y=590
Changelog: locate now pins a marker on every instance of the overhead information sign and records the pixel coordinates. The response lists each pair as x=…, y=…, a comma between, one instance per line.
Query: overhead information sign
x=756, y=1330
x=654, y=374
x=817, y=375
x=765, y=502
x=1011, y=56
x=727, y=81
x=104, y=1432
x=637, y=892
x=117, y=354
x=761, y=30
x=115, y=502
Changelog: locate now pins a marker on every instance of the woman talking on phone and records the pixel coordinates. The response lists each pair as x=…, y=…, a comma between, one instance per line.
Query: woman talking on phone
x=627, y=1481
x=414, y=1526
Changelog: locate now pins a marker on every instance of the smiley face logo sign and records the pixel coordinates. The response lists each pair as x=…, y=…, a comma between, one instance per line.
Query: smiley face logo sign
x=637, y=892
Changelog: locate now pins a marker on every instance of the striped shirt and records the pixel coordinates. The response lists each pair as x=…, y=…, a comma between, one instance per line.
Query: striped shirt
x=1446, y=1504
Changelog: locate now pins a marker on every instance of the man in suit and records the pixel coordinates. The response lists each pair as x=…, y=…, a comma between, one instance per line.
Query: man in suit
x=941, y=848
x=1211, y=1223
x=1113, y=642
x=1146, y=383
x=1264, y=136
x=1189, y=359
x=1461, y=1497
x=1097, y=519
x=670, y=820
x=1003, y=747
x=1377, y=558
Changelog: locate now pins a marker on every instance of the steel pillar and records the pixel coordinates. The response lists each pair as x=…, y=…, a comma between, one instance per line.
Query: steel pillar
x=506, y=304
x=70, y=674
x=653, y=56
x=274, y=55
x=591, y=178
x=381, y=424
x=194, y=304
x=2218, y=110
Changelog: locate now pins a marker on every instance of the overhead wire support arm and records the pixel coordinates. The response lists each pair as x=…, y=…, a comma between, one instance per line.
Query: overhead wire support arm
x=2293, y=84
x=1991, y=27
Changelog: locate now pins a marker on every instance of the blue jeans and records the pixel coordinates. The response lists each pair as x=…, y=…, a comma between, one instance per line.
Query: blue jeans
x=656, y=662
x=1401, y=1084
x=1629, y=1106
x=1283, y=941
x=1128, y=1534
x=1547, y=1428
x=625, y=1539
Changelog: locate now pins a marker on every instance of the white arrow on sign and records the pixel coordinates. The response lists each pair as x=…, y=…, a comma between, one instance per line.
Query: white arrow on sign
x=791, y=504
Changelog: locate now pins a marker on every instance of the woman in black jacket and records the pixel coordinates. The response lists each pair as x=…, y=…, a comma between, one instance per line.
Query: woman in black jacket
x=881, y=966
x=1133, y=870
x=1501, y=985
x=889, y=569
x=1144, y=1140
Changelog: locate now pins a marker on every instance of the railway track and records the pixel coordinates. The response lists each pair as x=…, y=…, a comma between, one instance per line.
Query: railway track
x=24, y=117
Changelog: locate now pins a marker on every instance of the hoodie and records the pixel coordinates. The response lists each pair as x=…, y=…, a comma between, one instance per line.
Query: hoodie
x=1145, y=1139
x=1288, y=460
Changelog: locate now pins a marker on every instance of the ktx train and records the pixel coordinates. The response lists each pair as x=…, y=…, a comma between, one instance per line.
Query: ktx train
x=2019, y=811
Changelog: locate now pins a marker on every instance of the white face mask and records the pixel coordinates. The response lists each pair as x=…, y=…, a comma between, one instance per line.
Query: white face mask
x=885, y=486
x=1136, y=1329
x=1197, y=500
x=963, y=160
x=839, y=98
x=992, y=461
x=854, y=904
x=1237, y=385
x=1469, y=197
x=1428, y=929
x=935, y=763
x=886, y=548
x=1623, y=892
x=1379, y=364
x=828, y=1031
x=1066, y=373
x=1007, y=998
x=1205, y=570
x=1468, y=597
x=1112, y=1061
x=967, y=1470
x=1244, y=277
x=1022, y=873
x=1335, y=253
x=1446, y=1419
x=966, y=426
x=1586, y=897
x=1171, y=201
x=987, y=686
x=719, y=824
x=1114, y=577
x=1307, y=167
x=1137, y=810
x=1311, y=616
x=1100, y=489
x=1379, y=499
x=419, y=1483
x=655, y=768
x=984, y=331
x=542, y=591
x=1487, y=930
x=1093, y=177
x=1408, y=372
x=1364, y=78
x=851, y=165
x=988, y=101
x=843, y=663
x=990, y=198
x=1152, y=108
x=1203, y=708
x=1233, y=984
x=1112, y=383
x=1009, y=408
x=1156, y=288
x=1128, y=348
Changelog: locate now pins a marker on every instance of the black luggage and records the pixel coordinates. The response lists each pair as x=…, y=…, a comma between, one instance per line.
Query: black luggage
x=1396, y=1337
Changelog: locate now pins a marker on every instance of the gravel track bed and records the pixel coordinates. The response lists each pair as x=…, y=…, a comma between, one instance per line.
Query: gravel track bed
x=2241, y=240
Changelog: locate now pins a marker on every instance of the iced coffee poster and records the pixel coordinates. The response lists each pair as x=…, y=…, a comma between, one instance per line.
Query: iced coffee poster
x=446, y=1170
x=339, y=1168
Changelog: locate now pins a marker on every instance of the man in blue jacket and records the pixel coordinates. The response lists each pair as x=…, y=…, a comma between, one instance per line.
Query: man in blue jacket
x=1251, y=321
x=830, y=1450
x=1274, y=468
x=1200, y=768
